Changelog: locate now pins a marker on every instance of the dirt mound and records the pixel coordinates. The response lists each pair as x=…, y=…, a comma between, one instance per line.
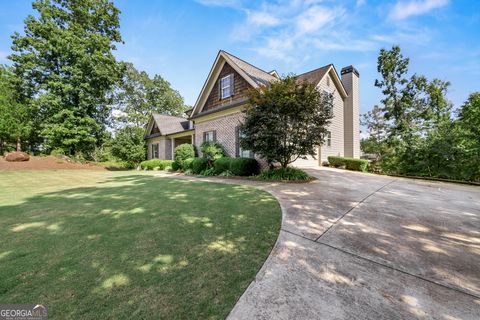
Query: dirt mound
x=46, y=163
x=17, y=156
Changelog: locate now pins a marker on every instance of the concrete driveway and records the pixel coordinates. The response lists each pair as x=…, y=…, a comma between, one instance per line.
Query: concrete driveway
x=360, y=246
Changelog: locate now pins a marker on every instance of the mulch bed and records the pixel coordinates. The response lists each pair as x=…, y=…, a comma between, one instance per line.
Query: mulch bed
x=46, y=163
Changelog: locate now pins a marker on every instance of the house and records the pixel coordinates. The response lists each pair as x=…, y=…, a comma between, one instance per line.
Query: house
x=217, y=113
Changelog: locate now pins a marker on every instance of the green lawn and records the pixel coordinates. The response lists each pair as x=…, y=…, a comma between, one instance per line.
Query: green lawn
x=118, y=245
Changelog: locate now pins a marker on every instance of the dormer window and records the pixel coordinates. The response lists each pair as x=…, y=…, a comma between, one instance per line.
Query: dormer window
x=226, y=86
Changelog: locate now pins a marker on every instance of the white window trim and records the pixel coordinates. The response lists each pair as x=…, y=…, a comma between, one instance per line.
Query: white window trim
x=155, y=150
x=207, y=133
x=222, y=88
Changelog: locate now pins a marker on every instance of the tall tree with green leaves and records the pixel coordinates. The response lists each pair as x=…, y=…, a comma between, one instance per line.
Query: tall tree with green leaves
x=65, y=61
x=468, y=124
x=16, y=118
x=137, y=96
x=286, y=120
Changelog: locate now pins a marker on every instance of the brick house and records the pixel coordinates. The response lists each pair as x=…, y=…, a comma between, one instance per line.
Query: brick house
x=217, y=112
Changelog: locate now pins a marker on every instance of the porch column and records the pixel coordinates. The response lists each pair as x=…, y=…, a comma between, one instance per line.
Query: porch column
x=173, y=148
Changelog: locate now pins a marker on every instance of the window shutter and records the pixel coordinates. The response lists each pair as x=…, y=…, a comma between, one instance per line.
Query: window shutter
x=232, y=85
x=220, y=89
x=214, y=135
x=204, y=136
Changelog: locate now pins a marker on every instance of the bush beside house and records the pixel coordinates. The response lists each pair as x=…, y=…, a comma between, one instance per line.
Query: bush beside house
x=284, y=174
x=156, y=164
x=349, y=163
x=183, y=152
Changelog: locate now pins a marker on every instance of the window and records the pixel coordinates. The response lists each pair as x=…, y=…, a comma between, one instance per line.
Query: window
x=329, y=139
x=328, y=81
x=155, y=151
x=242, y=152
x=226, y=86
x=209, y=136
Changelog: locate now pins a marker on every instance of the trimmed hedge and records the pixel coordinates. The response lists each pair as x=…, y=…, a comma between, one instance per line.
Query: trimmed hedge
x=289, y=174
x=187, y=164
x=176, y=165
x=237, y=166
x=244, y=166
x=349, y=163
x=222, y=165
x=155, y=163
x=184, y=152
x=199, y=165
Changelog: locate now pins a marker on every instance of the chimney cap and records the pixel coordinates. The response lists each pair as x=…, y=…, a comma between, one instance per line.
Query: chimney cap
x=349, y=69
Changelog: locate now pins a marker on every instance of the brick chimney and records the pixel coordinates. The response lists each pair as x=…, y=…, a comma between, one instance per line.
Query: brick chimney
x=351, y=112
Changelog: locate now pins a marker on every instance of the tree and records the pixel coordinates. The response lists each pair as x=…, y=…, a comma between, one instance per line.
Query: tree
x=137, y=96
x=15, y=117
x=66, y=64
x=129, y=145
x=286, y=120
x=468, y=126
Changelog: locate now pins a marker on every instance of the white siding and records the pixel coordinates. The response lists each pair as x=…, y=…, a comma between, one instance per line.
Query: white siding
x=336, y=125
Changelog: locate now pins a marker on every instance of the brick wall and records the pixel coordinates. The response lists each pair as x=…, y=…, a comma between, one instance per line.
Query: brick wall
x=225, y=131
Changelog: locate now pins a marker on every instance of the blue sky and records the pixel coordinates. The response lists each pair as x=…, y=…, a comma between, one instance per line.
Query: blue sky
x=180, y=39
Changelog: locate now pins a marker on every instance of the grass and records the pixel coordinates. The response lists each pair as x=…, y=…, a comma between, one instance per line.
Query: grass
x=118, y=245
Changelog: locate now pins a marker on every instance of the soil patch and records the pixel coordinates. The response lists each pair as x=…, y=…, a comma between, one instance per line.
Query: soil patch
x=46, y=163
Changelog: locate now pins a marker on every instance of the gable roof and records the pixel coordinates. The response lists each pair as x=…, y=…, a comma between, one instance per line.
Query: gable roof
x=260, y=77
x=256, y=77
x=315, y=76
x=166, y=124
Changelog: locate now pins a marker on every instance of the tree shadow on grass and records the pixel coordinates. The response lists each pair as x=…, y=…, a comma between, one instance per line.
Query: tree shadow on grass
x=136, y=246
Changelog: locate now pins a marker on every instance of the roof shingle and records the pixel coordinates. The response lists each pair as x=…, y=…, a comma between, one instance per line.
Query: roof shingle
x=314, y=76
x=260, y=77
x=170, y=124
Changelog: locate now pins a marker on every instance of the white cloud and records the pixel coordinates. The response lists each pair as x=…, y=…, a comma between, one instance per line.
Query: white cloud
x=360, y=3
x=219, y=3
x=317, y=17
x=261, y=18
x=405, y=9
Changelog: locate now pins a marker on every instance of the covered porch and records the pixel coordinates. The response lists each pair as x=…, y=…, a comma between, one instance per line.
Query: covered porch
x=176, y=139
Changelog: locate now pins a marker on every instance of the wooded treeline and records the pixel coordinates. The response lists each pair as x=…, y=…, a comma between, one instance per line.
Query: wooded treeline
x=65, y=92
x=416, y=130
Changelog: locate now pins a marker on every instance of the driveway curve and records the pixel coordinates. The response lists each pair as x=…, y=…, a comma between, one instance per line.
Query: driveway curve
x=362, y=246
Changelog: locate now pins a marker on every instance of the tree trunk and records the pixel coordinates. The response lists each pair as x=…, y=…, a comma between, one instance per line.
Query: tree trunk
x=19, y=145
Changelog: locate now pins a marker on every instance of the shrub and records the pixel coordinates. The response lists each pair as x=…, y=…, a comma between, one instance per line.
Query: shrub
x=199, y=165
x=57, y=152
x=176, y=166
x=155, y=164
x=336, y=162
x=226, y=173
x=184, y=152
x=208, y=172
x=349, y=163
x=356, y=164
x=289, y=173
x=244, y=166
x=187, y=164
x=222, y=165
x=212, y=150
